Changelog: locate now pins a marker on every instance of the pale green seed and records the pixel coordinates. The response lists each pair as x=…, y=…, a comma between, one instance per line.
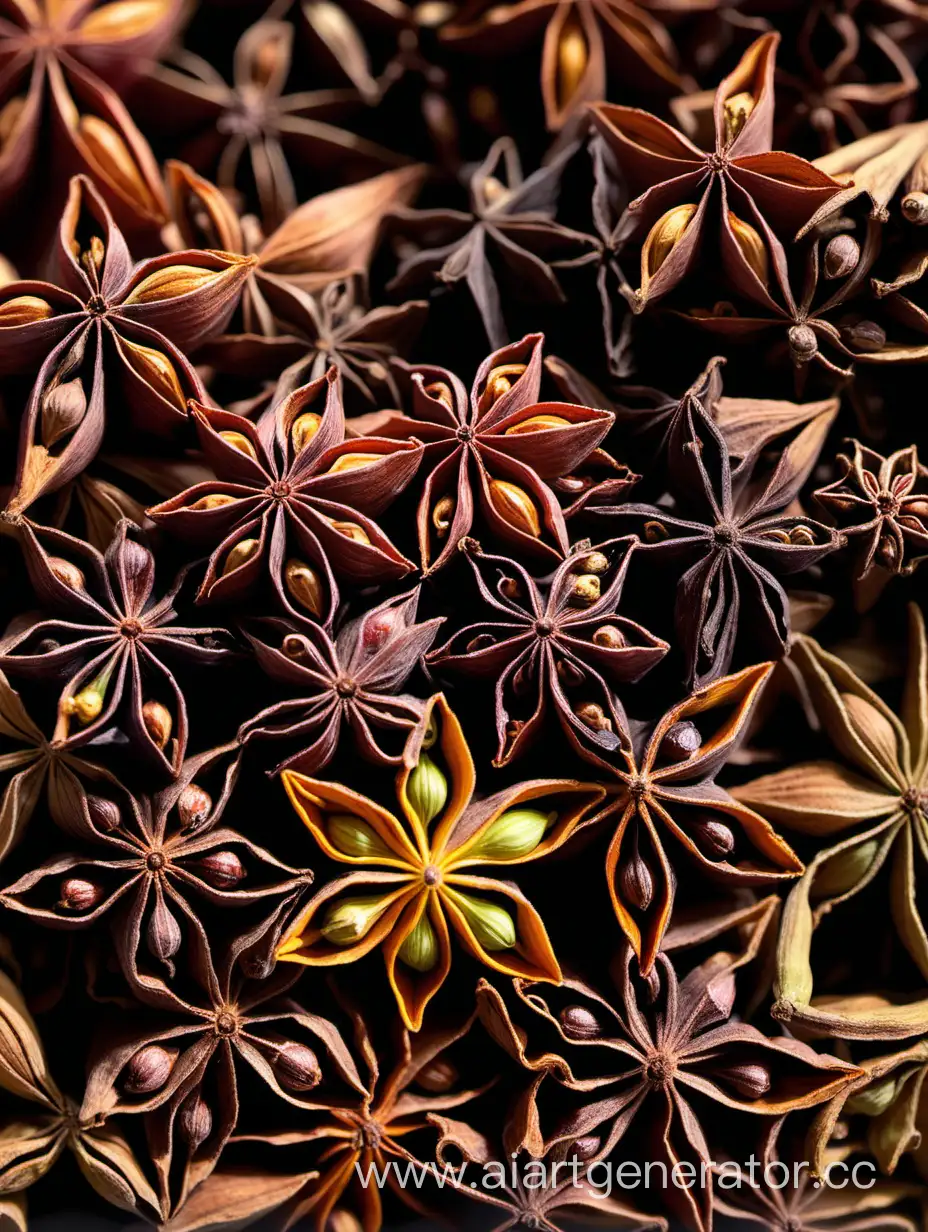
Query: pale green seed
x=492, y=926
x=514, y=834
x=427, y=790
x=350, y=919
x=354, y=837
x=420, y=949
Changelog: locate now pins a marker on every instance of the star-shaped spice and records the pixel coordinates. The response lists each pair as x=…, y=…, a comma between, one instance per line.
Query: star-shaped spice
x=293, y=499
x=414, y=883
x=560, y=645
x=750, y=193
x=489, y=455
x=352, y=682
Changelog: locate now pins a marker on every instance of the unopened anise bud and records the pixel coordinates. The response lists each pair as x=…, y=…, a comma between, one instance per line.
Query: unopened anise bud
x=865, y=336
x=171, y=281
x=751, y=246
x=239, y=441
x=221, y=869
x=304, y=585
x=156, y=370
x=158, y=722
x=77, y=894
x=63, y=408
x=609, y=637
x=67, y=573
x=636, y=884
x=24, y=310
x=579, y=1023
x=585, y=1148
x=304, y=428
x=239, y=555
x=164, y=936
x=842, y=255
x=195, y=1121
x=194, y=806
x=515, y=506
x=803, y=343
x=570, y=676
x=750, y=1081
x=297, y=1067
x=437, y=1076
x=148, y=1070
x=681, y=742
x=104, y=814
x=713, y=838
x=585, y=591
x=593, y=716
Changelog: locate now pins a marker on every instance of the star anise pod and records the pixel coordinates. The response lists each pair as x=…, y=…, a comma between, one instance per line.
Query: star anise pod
x=140, y=859
x=878, y=792
x=220, y=126
x=493, y=452
x=370, y=1128
x=667, y=790
x=102, y=313
x=34, y=1140
x=109, y=643
x=293, y=499
x=414, y=877
x=587, y=44
x=654, y=1056
x=730, y=533
x=63, y=66
x=753, y=193
x=561, y=645
x=352, y=682
x=510, y=232
x=183, y=1066
x=877, y=504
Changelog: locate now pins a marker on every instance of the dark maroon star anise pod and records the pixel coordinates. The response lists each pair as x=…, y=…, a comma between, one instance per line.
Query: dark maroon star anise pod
x=509, y=232
x=557, y=645
x=103, y=314
x=733, y=539
x=143, y=859
x=109, y=644
x=352, y=682
x=662, y=1050
x=293, y=500
x=492, y=453
x=184, y=1065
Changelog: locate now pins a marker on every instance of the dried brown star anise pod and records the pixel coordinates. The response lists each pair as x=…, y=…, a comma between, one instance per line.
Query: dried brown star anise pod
x=369, y=1128
x=586, y=45
x=667, y=789
x=561, y=645
x=654, y=1055
x=219, y=126
x=63, y=65
x=293, y=499
x=880, y=797
x=183, y=1066
x=103, y=313
x=878, y=505
x=493, y=452
x=729, y=530
x=352, y=682
x=756, y=193
x=140, y=859
x=33, y=1140
x=511, y=218
x=109, y=643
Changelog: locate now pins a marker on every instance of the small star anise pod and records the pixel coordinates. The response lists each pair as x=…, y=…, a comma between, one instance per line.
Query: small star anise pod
x=511, y=220
x=108, y=642
x=293, y=499
x=183, y=1066
x=752, y=191
x=104, y=314
x=140, y=859
x=492, y=452
x=664, y=1048
x=77, y=59
x=414, y=884
x=731, y=536
x=352, y=682
x=667, y=790
x=219, y=126
x=560, y=644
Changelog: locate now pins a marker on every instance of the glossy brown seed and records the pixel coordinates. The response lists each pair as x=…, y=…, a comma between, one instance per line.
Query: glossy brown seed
x=579, y=1023
x=148, y=1070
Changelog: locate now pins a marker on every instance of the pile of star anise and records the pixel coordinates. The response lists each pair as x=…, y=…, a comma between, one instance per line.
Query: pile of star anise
x=463, y=678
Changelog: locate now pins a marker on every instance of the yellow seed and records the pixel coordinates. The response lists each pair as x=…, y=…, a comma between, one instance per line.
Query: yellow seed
x=515, y=506
x=170, y=282
x=585, y=590
x=665, y=235
x=304, y=428
x=112, y=156
x=158, y=722
x=351, y=530
x=752, y=246
x=67, y=573
x=239, y=441
x=538, y=423
x=24, y=310
x=9, y=117
x=441, y=392
x=573, y=56
x=156, y=370
x=243, y=551
x=84, y=706
x=123, y=20
x=442, y=515
x=304, y=586
x=499, y=382
x=737, y=109
x=352, y=462
x=215, y=500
